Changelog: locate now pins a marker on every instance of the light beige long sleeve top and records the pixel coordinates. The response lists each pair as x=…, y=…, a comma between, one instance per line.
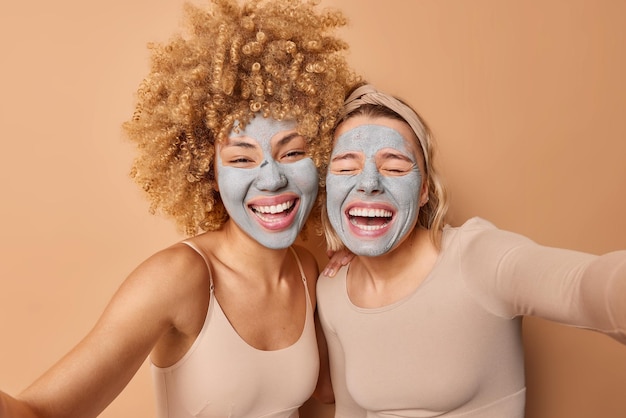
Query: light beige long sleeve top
x=453, y=347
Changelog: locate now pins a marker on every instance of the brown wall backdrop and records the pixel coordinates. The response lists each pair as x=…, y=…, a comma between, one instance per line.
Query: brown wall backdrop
x=527, y=101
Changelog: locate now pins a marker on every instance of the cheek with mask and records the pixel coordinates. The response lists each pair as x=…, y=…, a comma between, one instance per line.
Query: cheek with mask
x=373, y=189
x=267, y=191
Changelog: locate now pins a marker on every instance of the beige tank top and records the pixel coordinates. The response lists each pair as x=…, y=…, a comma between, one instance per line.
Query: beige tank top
x=223, y=376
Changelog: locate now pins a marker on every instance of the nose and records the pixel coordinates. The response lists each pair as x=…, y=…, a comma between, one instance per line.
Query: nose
x=369, y=180
x=271, y=176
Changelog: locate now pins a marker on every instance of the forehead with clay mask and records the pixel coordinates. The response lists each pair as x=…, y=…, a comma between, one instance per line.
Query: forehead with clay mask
x=373, y=184
x=266, y=180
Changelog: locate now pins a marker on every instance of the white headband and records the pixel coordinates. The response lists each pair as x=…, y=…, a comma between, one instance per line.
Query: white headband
x=367, y=94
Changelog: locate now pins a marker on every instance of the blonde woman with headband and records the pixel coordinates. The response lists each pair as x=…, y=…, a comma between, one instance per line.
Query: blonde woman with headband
x=425, y=320
x=233, y=125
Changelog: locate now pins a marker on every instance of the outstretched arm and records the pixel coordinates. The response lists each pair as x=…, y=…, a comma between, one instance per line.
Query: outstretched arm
x=92, y=374
x=10, y=407
x=516, y=276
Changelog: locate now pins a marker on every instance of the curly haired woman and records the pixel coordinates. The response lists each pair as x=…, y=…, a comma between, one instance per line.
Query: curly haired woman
x=233, y=124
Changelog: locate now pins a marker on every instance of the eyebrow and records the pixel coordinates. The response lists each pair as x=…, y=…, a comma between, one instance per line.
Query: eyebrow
x=395, y=156
x=238, y=142
x=346, y=156
x=235, y=142
x=288, y=138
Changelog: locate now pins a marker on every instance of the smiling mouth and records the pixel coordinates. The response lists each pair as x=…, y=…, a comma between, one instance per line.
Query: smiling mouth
x=273, y=213
x=368, y=219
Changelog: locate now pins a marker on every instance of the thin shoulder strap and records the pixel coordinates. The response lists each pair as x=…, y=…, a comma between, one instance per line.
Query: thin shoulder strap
x=206, y=260
x=299, y=264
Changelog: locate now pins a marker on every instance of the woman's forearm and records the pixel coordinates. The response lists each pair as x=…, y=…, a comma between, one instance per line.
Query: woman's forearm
x=13, y=408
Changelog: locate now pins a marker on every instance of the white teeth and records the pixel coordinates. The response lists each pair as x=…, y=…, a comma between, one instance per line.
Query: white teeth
x=273, y=208
x=368, y=227
x=370, y=213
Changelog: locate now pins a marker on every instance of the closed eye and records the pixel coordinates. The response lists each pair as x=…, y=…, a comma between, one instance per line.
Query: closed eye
x=391, y=170
x=394, y=163
x=346, y=164
x=396, y=170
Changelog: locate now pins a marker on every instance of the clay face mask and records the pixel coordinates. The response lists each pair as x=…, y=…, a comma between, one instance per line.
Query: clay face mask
x=373, y=188
x=266, y=181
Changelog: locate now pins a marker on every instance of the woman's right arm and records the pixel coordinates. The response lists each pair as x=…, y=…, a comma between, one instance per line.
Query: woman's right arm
x=94, y=372
x=10, y=407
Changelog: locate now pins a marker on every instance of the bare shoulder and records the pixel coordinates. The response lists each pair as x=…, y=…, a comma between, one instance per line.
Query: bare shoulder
x=178, y=264
x=175, y=278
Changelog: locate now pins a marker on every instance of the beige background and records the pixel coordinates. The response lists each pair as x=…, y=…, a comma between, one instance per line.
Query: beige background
x=526, y=99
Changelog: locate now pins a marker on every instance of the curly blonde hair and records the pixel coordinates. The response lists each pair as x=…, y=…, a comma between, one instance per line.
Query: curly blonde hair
x=274, y=57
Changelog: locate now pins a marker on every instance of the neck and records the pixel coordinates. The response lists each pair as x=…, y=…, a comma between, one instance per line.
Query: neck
x=243, y=255
x=376, y=281
x=398, y=258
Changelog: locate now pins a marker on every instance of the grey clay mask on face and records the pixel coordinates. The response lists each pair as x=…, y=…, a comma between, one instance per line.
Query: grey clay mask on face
x=266, y=183
x=373, y=187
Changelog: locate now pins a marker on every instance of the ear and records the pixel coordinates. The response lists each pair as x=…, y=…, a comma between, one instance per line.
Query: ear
x=424, y=193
